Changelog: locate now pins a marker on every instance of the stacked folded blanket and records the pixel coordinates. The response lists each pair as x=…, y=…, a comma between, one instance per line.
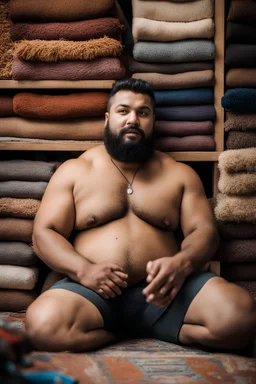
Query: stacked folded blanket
x=22, y=185
x=174, y=52
x=66, y=41
x=235, y=212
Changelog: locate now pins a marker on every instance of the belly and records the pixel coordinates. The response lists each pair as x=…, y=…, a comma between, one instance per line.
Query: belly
x=129, y=242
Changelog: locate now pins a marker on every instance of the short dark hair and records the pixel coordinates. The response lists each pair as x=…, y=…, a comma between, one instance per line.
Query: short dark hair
x=133, y=85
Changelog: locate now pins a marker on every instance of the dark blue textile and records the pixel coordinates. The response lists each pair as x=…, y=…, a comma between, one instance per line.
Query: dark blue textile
x=240, y=100
x=185, y=96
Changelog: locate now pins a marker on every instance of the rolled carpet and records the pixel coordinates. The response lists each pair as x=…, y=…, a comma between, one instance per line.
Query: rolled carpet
x=236, y=251
x=76, y=30
x=90, y=128
x=183, y=128
x=240, y=55
x=56, y=50
x=47, y=107
x=15, y=300
x=196, y=79
x=107, y=68
x=242, y=230
x=237, y=160
x=186, y=143
x=240, y=33
x=243, y=11
x=236, y=208
x=22, y=208
x=188, y=96
x=23, y=189
x=237, y=183
x=6, y=108
x=58, y=10
x=174, y=51
x=14, y=229
x=171, y=68
x=239, y=100
x=171, y=11
x=240, y=122
x=26, y=170
x=146, y=29
x=17, y=253
x=237, y=140
x=191, y=113
x=17, y=277
x=241, y=78
x=238, y=271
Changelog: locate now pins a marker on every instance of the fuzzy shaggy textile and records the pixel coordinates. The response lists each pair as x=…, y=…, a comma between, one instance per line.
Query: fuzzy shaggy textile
x=172, y=68
x=23, y=189
x=240, y=33
x=241, y=77
x=240, y=122
x=174, y=51
x=90, y=128
x=146, y=29
x=186, y=113
x=186, y=143
x=47, y=107
x=26, y=170
x=173, y=11
x=17, y=253
x=6, y=108
x=21, y=208
x=56, y=50
x=240, y=55
x=58, y=10
x=236, y=209
x=239, y=100
x=243, y=11
x=76, y=30
x=107, y=68
x=15, y=300
x=17, y=277
x=6, y=44
x=237, y=251
x=237, y=183
x=187, y=96
x=237, y=140
x=238, y=160
x=14, y=229
x=183, y=128
x=195, y=79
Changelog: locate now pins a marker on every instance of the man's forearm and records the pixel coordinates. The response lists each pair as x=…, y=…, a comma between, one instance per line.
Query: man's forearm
x=198, y=248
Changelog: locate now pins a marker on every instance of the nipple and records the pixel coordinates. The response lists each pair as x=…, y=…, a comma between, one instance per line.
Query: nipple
x=167, y=222
x=91, y=221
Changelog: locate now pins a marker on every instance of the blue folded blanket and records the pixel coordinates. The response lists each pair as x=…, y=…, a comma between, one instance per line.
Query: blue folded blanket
x=189, y=113
x=240, y=100
x=185, y=96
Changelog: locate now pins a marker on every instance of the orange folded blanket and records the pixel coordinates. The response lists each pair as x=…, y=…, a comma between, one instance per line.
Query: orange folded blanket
x=14, y=300
x=22, y=208
x=15, y=229
x=48, y=107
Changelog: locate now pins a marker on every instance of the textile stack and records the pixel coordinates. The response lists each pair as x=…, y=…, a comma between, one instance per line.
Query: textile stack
x=235, y=212
x=63, y=40
x=240, y=58
x=22, y=185
x=174, y=51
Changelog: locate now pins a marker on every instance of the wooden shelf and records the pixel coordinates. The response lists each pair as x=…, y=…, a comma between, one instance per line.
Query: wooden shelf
x=58, y=84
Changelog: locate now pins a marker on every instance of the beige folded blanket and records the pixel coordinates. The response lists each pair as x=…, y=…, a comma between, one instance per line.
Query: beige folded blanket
x=14, y=229
x=23, y=189
x=238, y=160
x=241, y=78
x=170, y=11
x=26, y=170
x=56, y=50
x=237, y=183
x=16, y=277
x=184, y=80
x=48, y=107
x=17, y=253
x=236, y=209
x=240, y=121
x=12, y=300
x=22, y=208
x=146, y=29
x=77, y=129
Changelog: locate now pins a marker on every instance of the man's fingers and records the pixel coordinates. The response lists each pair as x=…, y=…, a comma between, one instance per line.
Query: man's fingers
x=108, y=292
x=118, y=281
x=154, y=286
x=122, y=275
x=152, y=268
x=113, y=286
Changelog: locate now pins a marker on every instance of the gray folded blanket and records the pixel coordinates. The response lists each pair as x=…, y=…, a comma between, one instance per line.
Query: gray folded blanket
x=26, y=170
x=238, y=160
x=236, y=208
x=17, y=253
x=23, y=189
x=175, y=51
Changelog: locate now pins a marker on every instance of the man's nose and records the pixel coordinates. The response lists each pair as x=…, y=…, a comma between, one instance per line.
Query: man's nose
x=132, y=118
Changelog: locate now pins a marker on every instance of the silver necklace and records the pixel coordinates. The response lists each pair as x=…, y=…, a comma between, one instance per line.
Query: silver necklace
x=129, y=188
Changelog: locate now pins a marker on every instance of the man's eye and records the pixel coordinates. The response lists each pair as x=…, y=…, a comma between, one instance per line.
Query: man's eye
x=143, y=113
x=122, y=111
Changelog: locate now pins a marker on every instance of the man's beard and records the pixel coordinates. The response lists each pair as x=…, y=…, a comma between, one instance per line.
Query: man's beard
x=128, y=151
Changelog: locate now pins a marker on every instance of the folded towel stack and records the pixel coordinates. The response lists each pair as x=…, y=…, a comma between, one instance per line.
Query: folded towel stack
x=66, y=41
x=240, y=59
x=235, y=212
x=174, y=52
x=22, y=185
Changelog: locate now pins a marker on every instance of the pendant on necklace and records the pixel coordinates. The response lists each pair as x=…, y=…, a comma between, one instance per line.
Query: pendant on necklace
x=129, y=190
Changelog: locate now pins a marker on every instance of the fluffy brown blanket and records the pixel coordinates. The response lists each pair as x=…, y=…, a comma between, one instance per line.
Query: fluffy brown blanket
x=237, y=183
x=6, y=46
x=238, y=160
x=236, y=209
x=237, y=140
x=22, y=208
x=240, y=121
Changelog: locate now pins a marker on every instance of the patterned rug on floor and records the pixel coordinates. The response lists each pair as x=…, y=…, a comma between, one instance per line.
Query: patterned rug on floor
x=144, y=361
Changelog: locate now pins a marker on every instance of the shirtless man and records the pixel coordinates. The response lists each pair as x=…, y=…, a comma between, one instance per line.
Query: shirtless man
x=125, y=271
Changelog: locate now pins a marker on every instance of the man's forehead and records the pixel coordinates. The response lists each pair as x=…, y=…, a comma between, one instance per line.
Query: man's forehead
x=125, y=97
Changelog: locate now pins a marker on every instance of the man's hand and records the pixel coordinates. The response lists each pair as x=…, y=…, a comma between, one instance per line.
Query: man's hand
x=165, y=278
x=104, y=278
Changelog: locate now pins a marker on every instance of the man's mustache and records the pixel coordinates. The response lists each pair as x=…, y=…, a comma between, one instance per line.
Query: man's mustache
x=132, y=128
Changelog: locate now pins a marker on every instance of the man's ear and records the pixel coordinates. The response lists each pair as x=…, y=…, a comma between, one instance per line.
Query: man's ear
x=106, y=118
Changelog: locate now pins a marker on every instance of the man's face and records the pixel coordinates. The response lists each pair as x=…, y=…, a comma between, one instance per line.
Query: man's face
x=129, y=134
